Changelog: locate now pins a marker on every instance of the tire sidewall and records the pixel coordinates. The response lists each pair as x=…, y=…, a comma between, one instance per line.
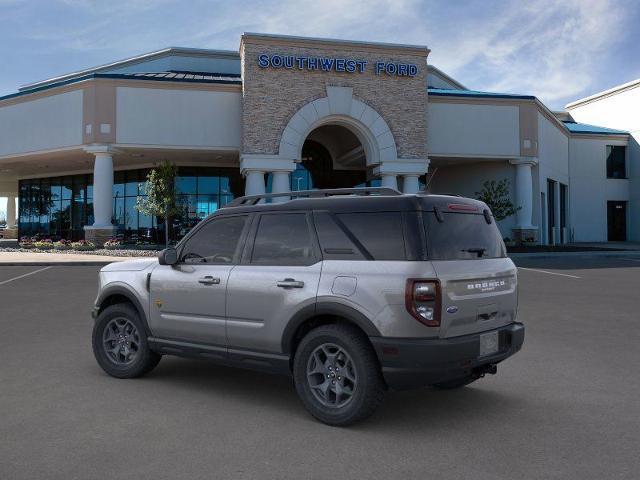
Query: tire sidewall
x=144, y=356
x=352, y=411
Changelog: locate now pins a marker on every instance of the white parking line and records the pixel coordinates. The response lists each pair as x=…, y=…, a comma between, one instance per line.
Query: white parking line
x=632, y=259
x=25, y=275
x=550, y=273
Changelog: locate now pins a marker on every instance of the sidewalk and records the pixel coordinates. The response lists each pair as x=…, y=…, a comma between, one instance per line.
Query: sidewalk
x=32, y=258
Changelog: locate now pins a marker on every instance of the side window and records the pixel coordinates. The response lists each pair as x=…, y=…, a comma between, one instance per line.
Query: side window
x=616, y=165
x=216, y=242
x=334, y=241
x=380, y=233
x=283, y=239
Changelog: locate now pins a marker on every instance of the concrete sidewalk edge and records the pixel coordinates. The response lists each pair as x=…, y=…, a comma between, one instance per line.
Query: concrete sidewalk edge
x=595, y=253
x=96, y=263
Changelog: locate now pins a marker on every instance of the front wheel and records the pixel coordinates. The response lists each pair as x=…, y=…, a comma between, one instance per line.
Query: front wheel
x=337, y=375
x=120, y=343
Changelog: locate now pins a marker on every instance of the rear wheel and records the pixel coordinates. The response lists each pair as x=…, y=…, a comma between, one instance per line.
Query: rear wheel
x=337, y=375
x=120, y=343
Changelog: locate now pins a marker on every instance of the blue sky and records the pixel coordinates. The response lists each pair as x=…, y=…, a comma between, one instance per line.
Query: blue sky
x=557, y=50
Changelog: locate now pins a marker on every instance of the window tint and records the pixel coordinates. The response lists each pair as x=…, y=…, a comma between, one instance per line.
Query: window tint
x=379, y=233
x=616, y=162
x=334, y=242
x=462, y=236
x=215, y=242
x=283, y=239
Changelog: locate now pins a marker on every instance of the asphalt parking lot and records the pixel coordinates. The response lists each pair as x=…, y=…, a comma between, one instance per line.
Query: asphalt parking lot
x=567, y=406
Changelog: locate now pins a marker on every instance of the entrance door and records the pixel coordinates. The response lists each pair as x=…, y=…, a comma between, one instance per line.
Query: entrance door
x=617, y=221
x=188, y=300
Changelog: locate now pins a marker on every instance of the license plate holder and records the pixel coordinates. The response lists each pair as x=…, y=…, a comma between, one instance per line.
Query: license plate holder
x=489, y=343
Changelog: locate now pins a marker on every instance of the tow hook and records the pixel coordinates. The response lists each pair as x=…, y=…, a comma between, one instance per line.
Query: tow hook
x=483, y=370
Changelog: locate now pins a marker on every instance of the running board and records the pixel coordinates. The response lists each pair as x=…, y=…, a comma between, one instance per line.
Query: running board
x=249, y=359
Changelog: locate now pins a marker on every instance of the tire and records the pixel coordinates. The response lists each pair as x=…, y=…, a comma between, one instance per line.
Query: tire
x=457, y=383
x=122, y=324
x=359, y=387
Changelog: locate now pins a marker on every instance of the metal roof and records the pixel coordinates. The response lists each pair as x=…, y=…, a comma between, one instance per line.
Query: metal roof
x=186, y=77
x=585, y=128
x=134, y=60
x=475, y=93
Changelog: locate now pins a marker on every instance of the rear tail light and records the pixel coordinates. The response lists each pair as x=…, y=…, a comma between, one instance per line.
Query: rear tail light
x=422, y=299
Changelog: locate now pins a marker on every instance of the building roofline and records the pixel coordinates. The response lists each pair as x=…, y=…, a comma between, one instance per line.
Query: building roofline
x=416, y=49
x=588, y=129
x=448, y=78
x=605, y=93
x=133, y=61
x=598, y=131
x=445, y=92
x=116, y=76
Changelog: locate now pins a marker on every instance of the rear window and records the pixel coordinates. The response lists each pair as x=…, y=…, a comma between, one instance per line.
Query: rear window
x=462, y=236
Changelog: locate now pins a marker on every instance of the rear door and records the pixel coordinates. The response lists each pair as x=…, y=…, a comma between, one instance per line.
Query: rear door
x=188, y=300
x=478, y=281
x=279, y=276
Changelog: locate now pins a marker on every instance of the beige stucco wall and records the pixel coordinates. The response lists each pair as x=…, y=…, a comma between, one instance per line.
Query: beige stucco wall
x=271, y=96
x=178, y=117
x=54, y=121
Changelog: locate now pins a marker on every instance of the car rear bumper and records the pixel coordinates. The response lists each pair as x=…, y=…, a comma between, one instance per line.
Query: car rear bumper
x=410, y=363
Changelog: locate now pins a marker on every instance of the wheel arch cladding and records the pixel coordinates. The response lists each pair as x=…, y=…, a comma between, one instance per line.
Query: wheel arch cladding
x=118, y=294
x=323, y=313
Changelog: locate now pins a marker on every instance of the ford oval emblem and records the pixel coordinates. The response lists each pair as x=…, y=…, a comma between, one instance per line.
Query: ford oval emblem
x=452, y=309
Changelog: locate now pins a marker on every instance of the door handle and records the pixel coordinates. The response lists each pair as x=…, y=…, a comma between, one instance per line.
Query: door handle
x=290, y=283
x=209, y=280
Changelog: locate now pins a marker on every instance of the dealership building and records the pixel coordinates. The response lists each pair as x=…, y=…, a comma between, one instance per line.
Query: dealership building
x=290, y=113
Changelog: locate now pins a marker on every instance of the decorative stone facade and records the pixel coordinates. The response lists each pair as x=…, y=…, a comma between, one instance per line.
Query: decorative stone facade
x=271, y=96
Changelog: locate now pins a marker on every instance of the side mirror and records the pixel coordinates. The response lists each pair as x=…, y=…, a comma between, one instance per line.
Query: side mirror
x=168, y=256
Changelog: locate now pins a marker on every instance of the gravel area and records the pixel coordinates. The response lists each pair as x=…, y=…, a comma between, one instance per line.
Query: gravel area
x=101, y=251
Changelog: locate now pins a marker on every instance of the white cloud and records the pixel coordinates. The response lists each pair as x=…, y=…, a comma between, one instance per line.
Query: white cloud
x=548, y=48
x=545, y=48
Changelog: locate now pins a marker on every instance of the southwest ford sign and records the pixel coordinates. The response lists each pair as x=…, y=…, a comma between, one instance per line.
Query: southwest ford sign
x=333, y=64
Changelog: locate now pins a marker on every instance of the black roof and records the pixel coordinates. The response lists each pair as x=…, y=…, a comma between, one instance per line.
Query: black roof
x=371, y=203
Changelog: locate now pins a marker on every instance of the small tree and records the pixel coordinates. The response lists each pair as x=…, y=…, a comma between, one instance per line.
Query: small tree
x=160, y=191
x=496, y=196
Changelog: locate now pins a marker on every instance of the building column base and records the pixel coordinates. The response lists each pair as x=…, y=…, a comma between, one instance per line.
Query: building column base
x=10, y=233
x=525, y=234
x=98, y=235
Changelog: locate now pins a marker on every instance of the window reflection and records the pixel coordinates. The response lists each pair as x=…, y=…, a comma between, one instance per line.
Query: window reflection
x=60, y=207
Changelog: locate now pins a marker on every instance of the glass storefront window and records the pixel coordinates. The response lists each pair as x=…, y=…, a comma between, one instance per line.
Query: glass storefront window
x=60, y=207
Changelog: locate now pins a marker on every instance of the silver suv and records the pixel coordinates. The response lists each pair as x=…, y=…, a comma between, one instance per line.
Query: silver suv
x=350, y=291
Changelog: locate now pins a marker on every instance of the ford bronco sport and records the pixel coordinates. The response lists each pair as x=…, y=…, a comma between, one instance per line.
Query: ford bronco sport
x=350, y=291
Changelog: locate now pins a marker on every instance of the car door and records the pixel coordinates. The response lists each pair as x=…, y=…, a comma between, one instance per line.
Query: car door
x=278, y=276
x=188, y=299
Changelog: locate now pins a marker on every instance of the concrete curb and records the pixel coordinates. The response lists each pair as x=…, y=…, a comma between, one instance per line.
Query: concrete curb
x=55, y=264
x=609, y=253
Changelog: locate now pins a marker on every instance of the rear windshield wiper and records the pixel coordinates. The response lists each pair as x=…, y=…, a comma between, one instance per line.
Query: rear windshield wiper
x=480, y=251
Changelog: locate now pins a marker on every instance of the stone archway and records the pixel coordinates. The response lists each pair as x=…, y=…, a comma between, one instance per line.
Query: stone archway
x=340, y=108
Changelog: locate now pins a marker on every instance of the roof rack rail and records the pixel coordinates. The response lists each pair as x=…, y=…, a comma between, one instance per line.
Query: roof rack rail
x=254, y=199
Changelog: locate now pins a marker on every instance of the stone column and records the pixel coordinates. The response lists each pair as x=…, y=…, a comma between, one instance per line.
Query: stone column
x=281, y=184
x=102, y=229
x=253, y=166
x=389, y=180
x=408, y=169
x=411, y=184
x=525, y=230
x=11, y=212
x=254, y=182
x=11, y=232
